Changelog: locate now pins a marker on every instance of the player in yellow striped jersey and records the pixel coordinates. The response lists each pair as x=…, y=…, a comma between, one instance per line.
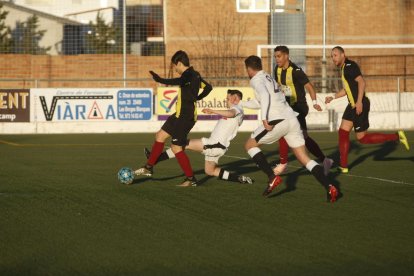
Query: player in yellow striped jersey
x=356, y=113
x=292, y=80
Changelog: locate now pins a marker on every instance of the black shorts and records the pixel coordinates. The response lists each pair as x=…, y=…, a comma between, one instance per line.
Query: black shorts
x=178, y=129
x=361, y=122
x=302, y=109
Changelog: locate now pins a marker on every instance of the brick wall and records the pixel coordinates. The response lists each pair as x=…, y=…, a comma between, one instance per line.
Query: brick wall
x=196, y=26
x=50, y=71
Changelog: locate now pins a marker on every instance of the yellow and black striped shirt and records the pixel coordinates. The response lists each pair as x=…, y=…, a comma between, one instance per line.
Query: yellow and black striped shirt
x=292, y=81
x=190, y=83
x=349, y=72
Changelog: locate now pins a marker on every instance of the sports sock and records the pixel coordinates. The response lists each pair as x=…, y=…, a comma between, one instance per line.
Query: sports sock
x=317, y=172
x=156, y=150
x=226, y=175
x=378, y=138
x=168, y=154
x=260, y=159
x=314, y=148
x=184, y=162
x=343, y=147
x=283, y=151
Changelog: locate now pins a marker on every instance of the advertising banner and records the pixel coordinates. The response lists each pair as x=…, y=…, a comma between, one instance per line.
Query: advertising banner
x=91, y=104
x=167, y=97
x=14, y=105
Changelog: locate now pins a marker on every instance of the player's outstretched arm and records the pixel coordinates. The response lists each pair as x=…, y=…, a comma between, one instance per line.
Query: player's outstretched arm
x=252, y=104
x=337, y=95
x=174, y=81
x=230, y=113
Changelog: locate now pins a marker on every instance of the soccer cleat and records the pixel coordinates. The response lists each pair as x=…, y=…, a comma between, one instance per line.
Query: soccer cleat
x=280, y=168
x=245, y=179
x=147, y=153
x=272, y=184
x=188, y=182
x=333, y=193
x=343, y=170
x=327, y=164
x=144, y=171
x=403, y=139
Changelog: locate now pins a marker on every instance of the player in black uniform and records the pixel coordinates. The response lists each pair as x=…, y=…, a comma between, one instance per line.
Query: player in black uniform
x=293, y=81
x=179, y=124
x=356, y=113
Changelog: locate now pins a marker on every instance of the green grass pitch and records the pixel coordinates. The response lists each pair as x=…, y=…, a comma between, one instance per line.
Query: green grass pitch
x=63, y=212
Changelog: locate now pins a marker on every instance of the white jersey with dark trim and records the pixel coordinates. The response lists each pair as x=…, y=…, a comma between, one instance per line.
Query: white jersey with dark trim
x=226, y=128
x=272, y=101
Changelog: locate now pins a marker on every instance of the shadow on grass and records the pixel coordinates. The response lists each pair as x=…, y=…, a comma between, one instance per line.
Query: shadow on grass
x=379, y=153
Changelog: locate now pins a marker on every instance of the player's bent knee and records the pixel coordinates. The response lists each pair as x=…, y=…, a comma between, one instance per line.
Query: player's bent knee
x=175, y=149
x=209, y=172
x=250, y=143
x=161, y=136
x=363, y=140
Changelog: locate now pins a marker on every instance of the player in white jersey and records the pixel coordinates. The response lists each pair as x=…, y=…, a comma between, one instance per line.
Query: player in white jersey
x=217, y=144
x=278, y=120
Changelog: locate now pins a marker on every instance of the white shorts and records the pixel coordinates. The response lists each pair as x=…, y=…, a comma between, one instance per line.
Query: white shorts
x=212, y=154
x=288, y=128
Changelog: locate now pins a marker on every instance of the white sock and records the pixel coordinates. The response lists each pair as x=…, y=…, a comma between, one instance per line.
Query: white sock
x=253, y=151
x=311, y=164
x=170, y=153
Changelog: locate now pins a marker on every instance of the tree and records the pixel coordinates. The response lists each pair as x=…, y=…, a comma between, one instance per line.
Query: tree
x=27, y=37
x=103, y=38
x=6, y=41
x=219, y=48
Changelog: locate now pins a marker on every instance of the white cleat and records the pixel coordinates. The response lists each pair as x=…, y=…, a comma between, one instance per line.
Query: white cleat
x=280, y=168
x=245, y=179
x=143, y=171
x=327, y=165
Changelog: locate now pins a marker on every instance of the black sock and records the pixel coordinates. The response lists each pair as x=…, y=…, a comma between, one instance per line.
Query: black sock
x=163, y=156
x=261, y=162
x=226, y=175
x=318, y=173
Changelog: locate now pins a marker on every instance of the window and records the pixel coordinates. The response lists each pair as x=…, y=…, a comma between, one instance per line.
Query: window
x=252, y=5
x=259, y=5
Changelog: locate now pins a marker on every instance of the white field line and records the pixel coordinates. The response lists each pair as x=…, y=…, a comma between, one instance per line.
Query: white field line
x=349, y=175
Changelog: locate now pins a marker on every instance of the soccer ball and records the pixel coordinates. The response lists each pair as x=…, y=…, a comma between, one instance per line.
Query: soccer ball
x=126, y=175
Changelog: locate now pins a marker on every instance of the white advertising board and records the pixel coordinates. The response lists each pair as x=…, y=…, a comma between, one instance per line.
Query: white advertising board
x=88, y=104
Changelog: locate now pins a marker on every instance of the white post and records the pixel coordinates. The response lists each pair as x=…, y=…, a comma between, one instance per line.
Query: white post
x=398, y=101
x=324, y=49
x=124, y=49
x=271, y=37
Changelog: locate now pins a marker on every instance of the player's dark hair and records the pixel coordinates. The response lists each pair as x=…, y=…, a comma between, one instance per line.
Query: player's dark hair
x=282, y=48
x=180, y=56
x=253, y=62
x=235, y=92
x=339, y=48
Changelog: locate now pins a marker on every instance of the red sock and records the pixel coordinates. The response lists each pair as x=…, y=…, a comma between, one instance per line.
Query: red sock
x=283, y=151
x=156, y=150
x=184, y=162
x=343, y=147
x=378, y=138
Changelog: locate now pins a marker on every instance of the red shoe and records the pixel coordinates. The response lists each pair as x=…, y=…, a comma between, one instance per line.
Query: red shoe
x=333, y=193
x=272, y=184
